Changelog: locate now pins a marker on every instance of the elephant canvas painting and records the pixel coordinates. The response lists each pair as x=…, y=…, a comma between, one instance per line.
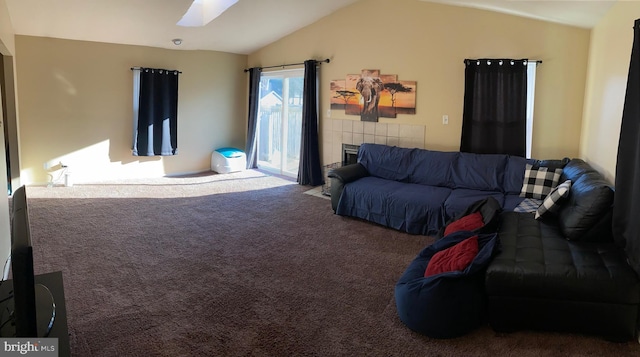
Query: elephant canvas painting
x=372, y=95
x=370, y=87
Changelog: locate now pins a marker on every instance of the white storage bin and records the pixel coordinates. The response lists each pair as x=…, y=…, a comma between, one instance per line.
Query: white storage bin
x=225, y=160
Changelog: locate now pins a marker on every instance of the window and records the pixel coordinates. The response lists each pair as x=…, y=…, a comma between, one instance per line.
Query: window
x=531, y=89
x=280, y=121
x=498, y=106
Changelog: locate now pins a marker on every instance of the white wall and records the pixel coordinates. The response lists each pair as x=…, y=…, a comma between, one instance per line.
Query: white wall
x=428, y=42
x=609, y=56
x=75, y=107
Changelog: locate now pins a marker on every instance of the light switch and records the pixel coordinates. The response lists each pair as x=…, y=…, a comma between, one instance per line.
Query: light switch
x=445, y=119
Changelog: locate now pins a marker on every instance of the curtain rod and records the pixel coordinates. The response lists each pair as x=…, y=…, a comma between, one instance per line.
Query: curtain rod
x=290, y=64
x=168, y=70
x=484, y=59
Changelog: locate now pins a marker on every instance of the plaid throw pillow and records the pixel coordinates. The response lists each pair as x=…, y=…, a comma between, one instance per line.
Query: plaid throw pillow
x=539, y=181
x=553, y=200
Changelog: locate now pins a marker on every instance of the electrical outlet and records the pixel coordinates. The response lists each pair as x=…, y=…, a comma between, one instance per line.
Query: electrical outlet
x=445, y=119
x=328, y=113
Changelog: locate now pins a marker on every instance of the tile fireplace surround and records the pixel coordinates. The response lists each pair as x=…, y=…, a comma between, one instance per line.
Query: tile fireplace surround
x=336, y=132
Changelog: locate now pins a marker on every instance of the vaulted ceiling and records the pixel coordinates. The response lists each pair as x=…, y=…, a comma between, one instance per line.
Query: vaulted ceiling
x=245, y=27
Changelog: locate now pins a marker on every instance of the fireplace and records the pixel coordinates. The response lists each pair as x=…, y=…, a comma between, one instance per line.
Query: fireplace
x=349, y=154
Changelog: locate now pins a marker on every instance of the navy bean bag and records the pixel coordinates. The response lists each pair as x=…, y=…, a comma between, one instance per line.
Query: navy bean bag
x=488, y=207
x=449, y=304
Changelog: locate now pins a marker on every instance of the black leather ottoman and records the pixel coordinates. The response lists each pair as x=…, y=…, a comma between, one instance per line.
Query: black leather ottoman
x=542, y=281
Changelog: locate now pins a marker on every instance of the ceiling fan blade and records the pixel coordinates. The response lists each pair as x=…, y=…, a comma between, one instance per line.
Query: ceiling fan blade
x=201, y=12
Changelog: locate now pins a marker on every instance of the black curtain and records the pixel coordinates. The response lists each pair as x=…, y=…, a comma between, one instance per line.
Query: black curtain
x=310, y=169
x=157, y=116
x=254, y=99
x=495, y=103
x=626, y=205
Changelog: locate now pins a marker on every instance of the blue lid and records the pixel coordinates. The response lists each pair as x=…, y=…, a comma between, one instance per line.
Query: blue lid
x=230, y=152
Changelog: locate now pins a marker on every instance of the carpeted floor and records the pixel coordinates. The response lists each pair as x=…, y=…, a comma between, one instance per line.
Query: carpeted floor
x=243, y=264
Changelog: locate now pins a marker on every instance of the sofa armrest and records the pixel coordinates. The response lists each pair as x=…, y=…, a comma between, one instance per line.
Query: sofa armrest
x=341, y=176
x=349, y=173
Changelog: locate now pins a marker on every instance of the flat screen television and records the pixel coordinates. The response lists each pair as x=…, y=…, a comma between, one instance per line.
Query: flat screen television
x=34, y=309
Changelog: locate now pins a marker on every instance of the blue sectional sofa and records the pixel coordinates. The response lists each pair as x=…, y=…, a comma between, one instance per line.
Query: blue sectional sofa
x=417, y=191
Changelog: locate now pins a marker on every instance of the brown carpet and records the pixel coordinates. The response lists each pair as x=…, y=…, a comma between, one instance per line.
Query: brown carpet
x=242, y=264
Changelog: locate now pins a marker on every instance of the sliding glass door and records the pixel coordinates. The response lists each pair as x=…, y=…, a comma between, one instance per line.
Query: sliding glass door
x=280, y=121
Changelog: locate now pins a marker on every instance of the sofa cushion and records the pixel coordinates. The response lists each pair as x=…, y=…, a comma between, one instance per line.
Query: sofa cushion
x=365, y=198
x=388, y=162
x=551, y=203
x=540, y=280
x=456, y=258
x=416, y=209
x=460, y=199
x=470, y=222
x=514, y=175
x=432, y=168
x=589, y=200
x=539, y=181
x=537, y=262
x=482, y=172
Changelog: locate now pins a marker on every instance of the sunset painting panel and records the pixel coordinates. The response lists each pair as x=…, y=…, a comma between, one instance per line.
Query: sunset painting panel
x=340, y=95
x=353, y=106
x=404, y=97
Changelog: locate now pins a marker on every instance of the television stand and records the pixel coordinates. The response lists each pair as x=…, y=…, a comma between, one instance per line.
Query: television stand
x=50, y=307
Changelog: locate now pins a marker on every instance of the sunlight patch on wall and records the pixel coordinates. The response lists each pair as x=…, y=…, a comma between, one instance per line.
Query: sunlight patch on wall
x=66, y=85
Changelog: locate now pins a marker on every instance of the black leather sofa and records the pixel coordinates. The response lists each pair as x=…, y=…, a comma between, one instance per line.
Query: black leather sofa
x=564, y=273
